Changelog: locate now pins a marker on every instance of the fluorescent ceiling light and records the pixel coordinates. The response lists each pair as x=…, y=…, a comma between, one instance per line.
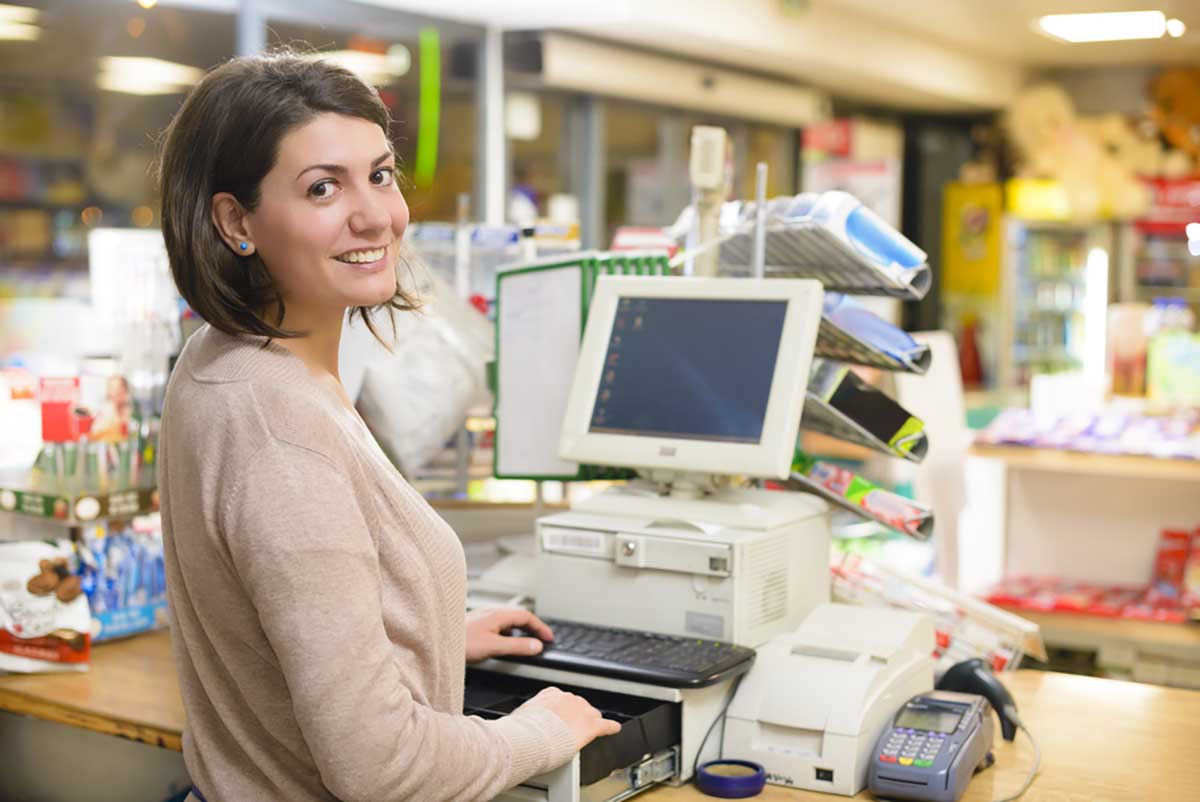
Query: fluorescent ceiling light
x=17, y=14
x=1176, y=28
x=379, y=69
x=145, y=76
x=1106, y=27
x=18, y=32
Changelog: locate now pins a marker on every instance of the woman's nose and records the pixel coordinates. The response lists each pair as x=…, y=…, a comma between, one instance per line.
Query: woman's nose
x=370, y=214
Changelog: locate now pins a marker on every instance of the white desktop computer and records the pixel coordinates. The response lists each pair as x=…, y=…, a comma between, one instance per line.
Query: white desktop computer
x=696, y=383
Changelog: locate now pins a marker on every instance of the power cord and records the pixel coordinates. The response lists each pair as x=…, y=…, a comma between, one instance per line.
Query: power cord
x=1037, y=755
x=720, y=718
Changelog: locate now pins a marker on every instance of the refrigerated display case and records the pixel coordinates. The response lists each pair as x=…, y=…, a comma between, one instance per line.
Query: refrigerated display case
x=1156, y=259
x=1056, y=288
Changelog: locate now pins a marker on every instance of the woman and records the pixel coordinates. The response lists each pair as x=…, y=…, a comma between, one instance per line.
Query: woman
x=316, y=600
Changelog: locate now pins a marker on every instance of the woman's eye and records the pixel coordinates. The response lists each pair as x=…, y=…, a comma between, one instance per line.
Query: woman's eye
x=322, y=189
x=382, y=177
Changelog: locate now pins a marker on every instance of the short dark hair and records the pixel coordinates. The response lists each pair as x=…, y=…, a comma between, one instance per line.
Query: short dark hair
x=225, y=138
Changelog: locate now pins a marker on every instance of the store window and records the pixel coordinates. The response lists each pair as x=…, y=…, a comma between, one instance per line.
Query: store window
x=85, y=88
x=434, y=114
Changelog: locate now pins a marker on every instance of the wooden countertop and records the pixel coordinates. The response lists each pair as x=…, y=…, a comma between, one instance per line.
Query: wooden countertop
x=130, y=691
x=1101, y=740
x=1054, y=460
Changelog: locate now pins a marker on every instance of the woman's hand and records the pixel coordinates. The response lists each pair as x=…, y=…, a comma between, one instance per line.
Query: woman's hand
x=584, y=721
x=484, y=627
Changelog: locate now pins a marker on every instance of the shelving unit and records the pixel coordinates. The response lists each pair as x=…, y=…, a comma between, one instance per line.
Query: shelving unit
x=75, y=508
x=1078, y=462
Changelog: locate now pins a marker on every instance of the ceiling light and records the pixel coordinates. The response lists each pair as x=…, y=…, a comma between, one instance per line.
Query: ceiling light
x=18, y=14
x=145, y=76
x=147, y=4
x=18, y=32
x=1106, y=27
x=379, y=69
x=1176, y=28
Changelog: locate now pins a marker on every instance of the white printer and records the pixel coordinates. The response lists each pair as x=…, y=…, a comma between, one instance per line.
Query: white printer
x=742, y=566
x=813, y=706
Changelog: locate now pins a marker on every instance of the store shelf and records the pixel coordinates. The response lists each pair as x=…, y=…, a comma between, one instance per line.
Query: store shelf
x=1075, y=631
x=834, y=342
x=806, y=249
x=820, y=416
x=75, y=508
x=1051, y=460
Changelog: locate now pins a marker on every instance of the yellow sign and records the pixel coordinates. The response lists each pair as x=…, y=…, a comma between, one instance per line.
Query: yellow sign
x=971, y=217
x=1038, y=199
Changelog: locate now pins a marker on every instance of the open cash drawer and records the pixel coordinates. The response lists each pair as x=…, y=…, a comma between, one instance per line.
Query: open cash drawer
x=644, y=753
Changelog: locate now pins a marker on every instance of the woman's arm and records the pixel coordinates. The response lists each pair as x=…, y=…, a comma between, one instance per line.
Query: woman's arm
x=308, y=562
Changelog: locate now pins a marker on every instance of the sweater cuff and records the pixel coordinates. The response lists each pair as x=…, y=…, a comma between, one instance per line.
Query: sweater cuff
x=539, y=741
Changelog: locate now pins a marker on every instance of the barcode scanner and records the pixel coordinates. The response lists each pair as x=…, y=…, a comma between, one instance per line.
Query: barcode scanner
x=975, y=676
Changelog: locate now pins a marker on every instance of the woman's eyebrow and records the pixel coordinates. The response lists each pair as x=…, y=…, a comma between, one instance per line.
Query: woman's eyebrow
x=337, y=168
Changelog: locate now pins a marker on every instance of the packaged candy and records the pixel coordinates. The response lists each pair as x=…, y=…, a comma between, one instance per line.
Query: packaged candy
x=44, y=621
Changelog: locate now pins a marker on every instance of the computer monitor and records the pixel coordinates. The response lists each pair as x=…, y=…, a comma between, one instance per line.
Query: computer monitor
x=693, y=375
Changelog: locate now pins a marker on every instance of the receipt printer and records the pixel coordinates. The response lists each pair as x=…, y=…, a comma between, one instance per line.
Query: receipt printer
x=816, y=701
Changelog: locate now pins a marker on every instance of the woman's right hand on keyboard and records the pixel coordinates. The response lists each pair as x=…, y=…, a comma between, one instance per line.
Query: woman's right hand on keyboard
x=584, y=721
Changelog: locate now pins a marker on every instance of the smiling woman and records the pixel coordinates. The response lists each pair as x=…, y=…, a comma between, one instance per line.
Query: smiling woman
x=272, y=169
x=316, y=600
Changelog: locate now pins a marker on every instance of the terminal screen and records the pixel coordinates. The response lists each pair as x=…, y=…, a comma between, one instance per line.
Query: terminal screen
x=686, y=368
x=929, y=720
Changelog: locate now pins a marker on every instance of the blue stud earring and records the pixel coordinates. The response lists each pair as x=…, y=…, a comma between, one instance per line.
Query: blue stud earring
x=244, y=245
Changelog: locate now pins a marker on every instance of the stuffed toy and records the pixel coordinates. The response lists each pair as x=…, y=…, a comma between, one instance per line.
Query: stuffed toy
x=1176, y=96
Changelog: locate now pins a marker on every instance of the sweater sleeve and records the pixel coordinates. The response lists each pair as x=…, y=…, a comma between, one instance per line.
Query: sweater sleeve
x=308, y=562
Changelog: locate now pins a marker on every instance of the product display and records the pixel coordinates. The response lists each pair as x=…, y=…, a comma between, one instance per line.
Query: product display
x=1111, y=432
x=44, y=621
x=851, y=491
x=842, y=405
x=121, y=572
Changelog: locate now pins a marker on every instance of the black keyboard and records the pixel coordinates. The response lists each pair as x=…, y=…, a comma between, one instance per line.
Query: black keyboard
x=639, y=656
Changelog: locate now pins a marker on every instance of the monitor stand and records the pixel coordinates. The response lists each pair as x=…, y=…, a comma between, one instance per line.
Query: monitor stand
x=702, y=501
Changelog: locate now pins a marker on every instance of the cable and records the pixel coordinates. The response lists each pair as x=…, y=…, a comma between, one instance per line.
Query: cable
x=1037, y=758
x=721, y=718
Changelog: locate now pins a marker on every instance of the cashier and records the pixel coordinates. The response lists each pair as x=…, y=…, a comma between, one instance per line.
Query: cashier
x=316, y=599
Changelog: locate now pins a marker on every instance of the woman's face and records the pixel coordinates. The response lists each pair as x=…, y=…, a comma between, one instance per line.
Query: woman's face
x=330, y=218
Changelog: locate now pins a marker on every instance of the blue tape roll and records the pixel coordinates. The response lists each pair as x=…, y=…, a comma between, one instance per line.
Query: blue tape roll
x=731, y=779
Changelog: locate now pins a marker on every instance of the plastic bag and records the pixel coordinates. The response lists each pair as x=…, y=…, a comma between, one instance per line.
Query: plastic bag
x=415, y=398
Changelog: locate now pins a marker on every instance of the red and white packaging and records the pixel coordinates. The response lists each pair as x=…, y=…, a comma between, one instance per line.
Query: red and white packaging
x=1191, y=576
x=1166, y=587
x=45, y=624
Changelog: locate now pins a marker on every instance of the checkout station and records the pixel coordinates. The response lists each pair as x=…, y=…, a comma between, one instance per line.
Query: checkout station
x=696, y=611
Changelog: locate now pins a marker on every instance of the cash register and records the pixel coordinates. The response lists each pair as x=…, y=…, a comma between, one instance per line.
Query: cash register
x=660, y=590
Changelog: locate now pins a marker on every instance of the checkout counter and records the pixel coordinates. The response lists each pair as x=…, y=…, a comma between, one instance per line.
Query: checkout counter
x=1102, y=740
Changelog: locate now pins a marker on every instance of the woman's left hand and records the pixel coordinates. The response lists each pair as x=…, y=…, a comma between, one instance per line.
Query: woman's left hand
x=484, y=628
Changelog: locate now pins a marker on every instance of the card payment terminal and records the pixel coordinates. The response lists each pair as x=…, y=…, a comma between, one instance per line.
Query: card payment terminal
x=934, y=744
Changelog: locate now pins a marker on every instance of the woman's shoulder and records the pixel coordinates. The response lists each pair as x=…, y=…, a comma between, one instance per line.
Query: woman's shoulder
x=244, y=396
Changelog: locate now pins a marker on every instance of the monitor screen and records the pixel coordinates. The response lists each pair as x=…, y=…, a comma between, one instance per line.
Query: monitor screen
x=689, y=368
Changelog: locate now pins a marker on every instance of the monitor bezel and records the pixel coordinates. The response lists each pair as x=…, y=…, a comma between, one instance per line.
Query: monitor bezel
x=771, y=458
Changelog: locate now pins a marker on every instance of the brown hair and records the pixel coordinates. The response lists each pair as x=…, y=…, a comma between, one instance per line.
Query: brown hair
x=225, y=138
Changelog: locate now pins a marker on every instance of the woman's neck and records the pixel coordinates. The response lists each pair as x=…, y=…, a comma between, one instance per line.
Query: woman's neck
x=318, y=347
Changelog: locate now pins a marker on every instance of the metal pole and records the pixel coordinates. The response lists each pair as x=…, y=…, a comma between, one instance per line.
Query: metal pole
x=492, y=127
x=760, y=220
x=251, y=29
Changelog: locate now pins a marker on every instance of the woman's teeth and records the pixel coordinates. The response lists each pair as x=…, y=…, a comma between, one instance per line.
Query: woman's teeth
x=362, y=257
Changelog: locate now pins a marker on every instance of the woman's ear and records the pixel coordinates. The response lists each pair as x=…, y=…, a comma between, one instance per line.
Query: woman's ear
x=229, y=217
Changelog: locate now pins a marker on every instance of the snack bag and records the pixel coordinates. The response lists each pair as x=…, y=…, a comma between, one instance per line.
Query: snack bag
x=1191, y=577
x=1166, y=587
x=44, y=620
